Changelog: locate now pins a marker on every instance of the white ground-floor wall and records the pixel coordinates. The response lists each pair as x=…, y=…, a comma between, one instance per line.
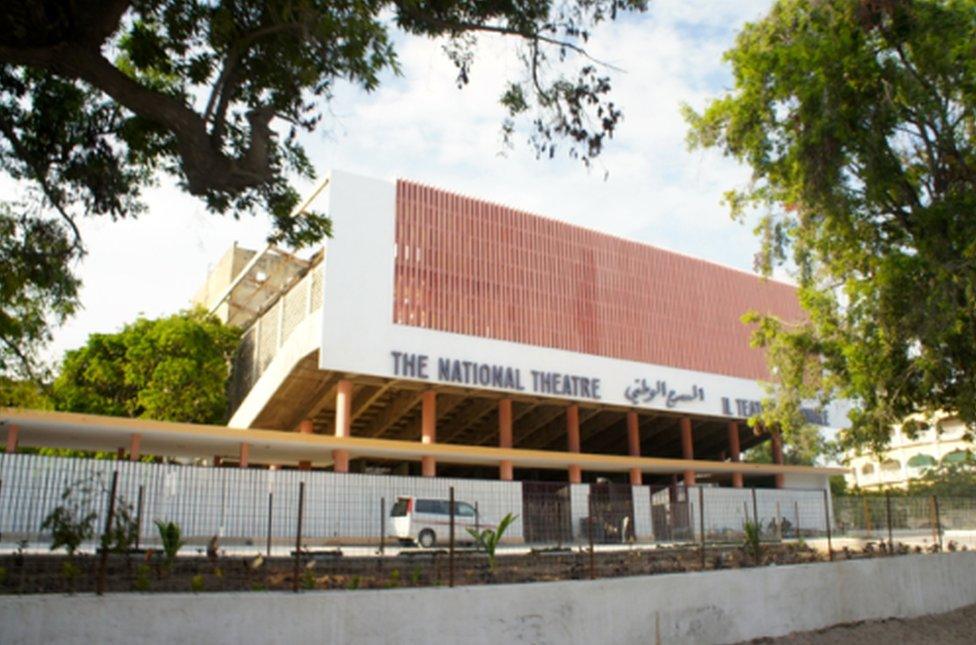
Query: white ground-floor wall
x=711, y=607
x=245, y=505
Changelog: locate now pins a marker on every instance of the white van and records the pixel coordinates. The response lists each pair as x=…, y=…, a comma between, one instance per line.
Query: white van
x=428, y=521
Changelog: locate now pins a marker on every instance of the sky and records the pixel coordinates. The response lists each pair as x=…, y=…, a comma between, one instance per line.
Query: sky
x=646, y=186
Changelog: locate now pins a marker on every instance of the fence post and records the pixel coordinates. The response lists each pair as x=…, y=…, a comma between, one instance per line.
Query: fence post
x=755, y=512
x=589, y=532
x=891, y=542
x=298, y=536
x=938, y=519
x=270, y=512
x=830, y=545
x=103, y=561
x=796, y=511
x=382, y=525
x=867, y=515
x=477, y=518
x=779, y=524
x=450, y=560
x=701, y=522
x=139, y=504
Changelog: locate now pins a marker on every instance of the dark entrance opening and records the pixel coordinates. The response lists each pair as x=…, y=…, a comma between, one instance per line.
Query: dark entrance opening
x=546, y=510
x=612, y=512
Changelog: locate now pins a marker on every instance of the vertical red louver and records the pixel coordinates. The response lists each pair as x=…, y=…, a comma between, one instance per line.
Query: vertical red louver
x=472, y=267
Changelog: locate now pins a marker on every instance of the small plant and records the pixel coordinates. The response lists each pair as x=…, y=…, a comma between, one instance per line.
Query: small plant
x=70, y=572
x=394, y=580
x=752, y=542
x=353, y=583
x=3, y=575
x=415, y=577
x=196, y=583
x=308, y=580
x=488, y=539
x=142, y=581
x=122, y=535
x=171, y=537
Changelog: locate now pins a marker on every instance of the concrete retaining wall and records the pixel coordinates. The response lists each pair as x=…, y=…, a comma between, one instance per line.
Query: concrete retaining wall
x=711, y=607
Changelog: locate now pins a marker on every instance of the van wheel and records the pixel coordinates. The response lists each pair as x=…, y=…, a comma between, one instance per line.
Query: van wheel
x=427, y=538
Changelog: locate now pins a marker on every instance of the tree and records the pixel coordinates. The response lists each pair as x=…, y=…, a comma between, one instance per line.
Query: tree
x=172, y=369
x=98, y=96
x=858, y=120
x=37, y=289
x=947, y=480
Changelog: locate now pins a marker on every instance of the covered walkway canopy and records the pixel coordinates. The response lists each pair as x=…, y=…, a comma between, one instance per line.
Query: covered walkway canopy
x=37, y=428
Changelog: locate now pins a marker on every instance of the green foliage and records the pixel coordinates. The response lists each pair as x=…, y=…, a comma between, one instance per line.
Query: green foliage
x=143, y=580
x=73, y=521
x=308, y=580
x=838, y=486
x=171, y=537
x=808, y=445
x=353, y=583
x=946, y=480
x=122, y=534
x=173, y=369
x=196, y=583
x=858, y=120
x=99, y=98
x=488, y=539
x=752, y=541
x=37, y=291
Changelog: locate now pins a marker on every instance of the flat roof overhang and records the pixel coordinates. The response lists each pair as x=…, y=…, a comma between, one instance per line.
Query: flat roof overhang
x=44, y=429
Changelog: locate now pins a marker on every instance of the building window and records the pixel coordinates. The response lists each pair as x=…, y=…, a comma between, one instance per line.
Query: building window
x=891, y=466
x=957, y=457
x=921, y=462
x=867, y=469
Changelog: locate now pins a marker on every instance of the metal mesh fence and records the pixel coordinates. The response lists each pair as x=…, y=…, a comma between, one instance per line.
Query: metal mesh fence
x=255, y=528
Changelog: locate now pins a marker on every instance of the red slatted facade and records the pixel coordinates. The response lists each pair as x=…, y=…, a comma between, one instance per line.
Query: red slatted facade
x=472, y=267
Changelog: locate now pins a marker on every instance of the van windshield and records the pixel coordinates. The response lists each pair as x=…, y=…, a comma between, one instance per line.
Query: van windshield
x=400, y=508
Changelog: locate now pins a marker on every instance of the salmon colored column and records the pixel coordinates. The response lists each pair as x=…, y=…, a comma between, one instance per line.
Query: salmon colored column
x=134, y=442
x=777, y=440
x=428, y=430
x=12, y=434
x=245, y=453
x=633, y=447
x=735, y=451
x=505, y=471
x=343, y=416
x=573, y=441
x=687, y=449
x=306, y=427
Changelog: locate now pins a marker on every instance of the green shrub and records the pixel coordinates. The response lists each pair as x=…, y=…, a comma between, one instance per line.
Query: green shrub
x=488, y=539
x=171, y=537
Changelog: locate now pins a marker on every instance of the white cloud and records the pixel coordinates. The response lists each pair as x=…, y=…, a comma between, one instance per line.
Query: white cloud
x=422, y=127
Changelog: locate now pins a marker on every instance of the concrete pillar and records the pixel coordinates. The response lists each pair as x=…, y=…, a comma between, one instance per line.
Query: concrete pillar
x=217, y=461
x=687, y=449
x=505, y=470
x=573, y=441
x=777, y=440
x=13, y=432
x=134, y=442
x=306, y=426
x=633, y=447
x=343, y=422
x=428, y=430
x=735, y=452
x=245, y=452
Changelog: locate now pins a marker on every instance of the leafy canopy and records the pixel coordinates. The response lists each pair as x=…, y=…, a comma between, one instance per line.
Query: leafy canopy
x=172, y=369
x=858, y=119
x=98, y=97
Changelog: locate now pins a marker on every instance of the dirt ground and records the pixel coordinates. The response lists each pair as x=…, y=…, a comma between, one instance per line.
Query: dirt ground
x=955, y=627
